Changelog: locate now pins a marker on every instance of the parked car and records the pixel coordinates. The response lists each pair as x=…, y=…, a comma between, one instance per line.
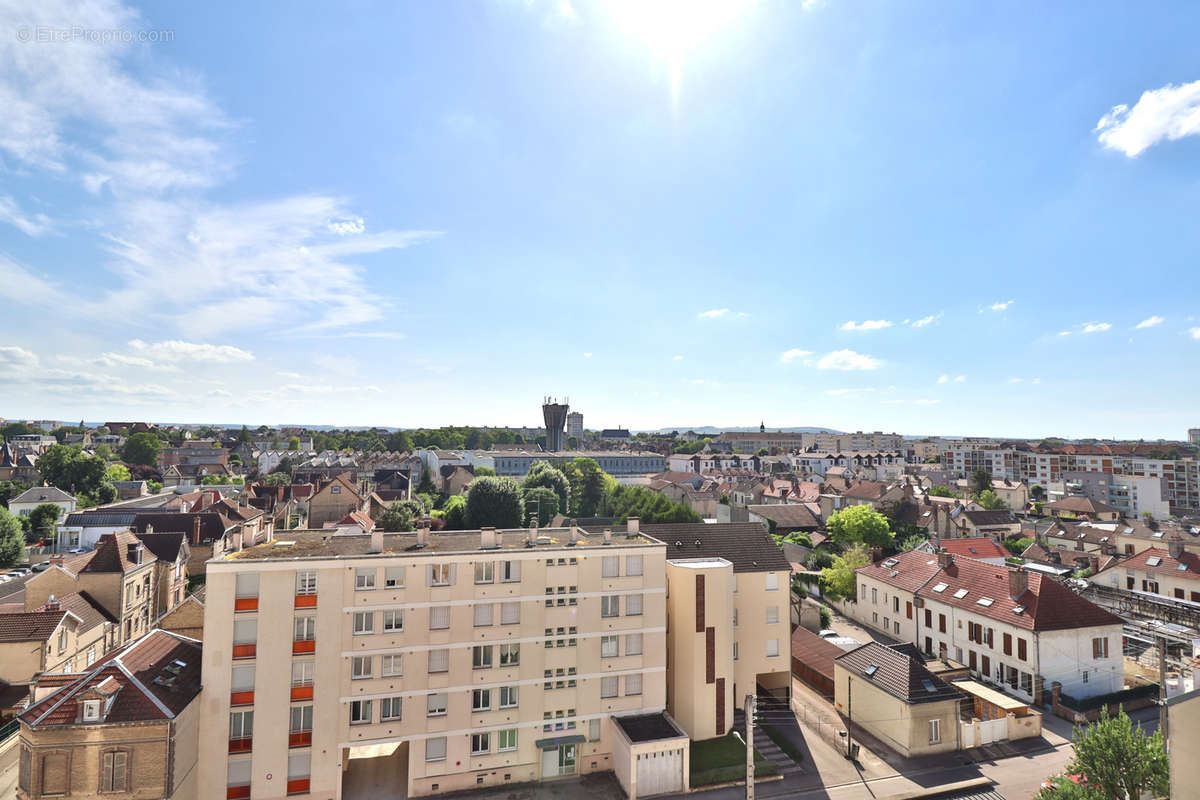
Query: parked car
x=21, y=571
x=828, y=633
x=5, y=578
x=76, y=551
x=41, y=566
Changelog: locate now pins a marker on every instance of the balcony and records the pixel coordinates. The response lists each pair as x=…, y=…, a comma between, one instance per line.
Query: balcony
x=298, y=786
x=244, y=698
x=302, y=692
x=237, y=792
x=240, y=745
x=300, y=739
x=306, y=601
x=301, y=646
x=245, y=650
x=245, y=604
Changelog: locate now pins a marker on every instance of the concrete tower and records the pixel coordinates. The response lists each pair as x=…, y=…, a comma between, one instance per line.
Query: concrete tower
x=555, y=415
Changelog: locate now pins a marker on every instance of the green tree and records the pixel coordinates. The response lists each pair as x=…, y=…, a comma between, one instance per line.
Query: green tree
x=117, y=472
x=485, y=472
x=293, y=443
x=1037, y=492
x=649, y=506
x=278, y=479
x=71, y=469
x=859, y=525
x=10, y=489
x=12, y=540
x=838, y=581
x=912, y=542
x=425, y=484
x=981, y=479
x=941, y=491
x=141, y=448
x=396, y=518
x=43, y=522
x=154, y=486
x=990, y=500
x=1119, y=760
x=454, y=513
x=1017, y=545
x=541, y=501
x=494, y=503
x=544, y=474
x=589, y=486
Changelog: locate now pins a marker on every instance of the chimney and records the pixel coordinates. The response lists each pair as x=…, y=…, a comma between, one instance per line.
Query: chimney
x=1018, y=582
x=489, y=538
x=945, y=559
x=196, y=529
x=423, y=532
x=633, y=526
x=607, y=536
x=1094, y=564
x=1175, y=547
x=876, y=555
x=56, y=559
x=53, y=605
x=376, y=541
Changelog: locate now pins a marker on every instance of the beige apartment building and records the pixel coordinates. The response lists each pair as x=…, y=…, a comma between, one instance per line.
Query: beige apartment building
x=442, y=662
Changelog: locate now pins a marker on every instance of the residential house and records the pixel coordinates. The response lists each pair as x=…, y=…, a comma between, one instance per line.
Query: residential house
x=23, y=504
x=1000, y=524
x=1171, y=572
x=785, y=519
x=454, y=478
x=46, y=640
x=1081, y=508
x=980, y=548
x=333, y=501
x=891, y=695
x=130, y=490
x=1014, y=494
x=187, y=618
x=125, y=728
x=171, y=553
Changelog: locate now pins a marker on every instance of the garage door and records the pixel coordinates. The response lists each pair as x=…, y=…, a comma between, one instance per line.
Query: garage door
x=658, y=773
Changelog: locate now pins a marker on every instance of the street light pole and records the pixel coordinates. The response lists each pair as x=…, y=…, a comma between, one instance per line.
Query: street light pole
x=749, y=711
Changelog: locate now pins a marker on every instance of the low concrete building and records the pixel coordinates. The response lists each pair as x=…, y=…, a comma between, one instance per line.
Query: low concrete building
x=892, y=696
x=125, y=728
x=650, y=755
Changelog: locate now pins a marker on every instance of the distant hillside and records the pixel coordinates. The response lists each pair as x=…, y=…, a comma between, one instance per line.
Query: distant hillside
x=710, y=430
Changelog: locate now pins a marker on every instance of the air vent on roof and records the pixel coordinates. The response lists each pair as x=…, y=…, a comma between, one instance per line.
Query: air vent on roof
x=1153, y=561
x=960, y=594
x=1158, y=534
x=870, y=671
x=941, y=587
x=285, y=543
x=894, y=573
x=985, y=601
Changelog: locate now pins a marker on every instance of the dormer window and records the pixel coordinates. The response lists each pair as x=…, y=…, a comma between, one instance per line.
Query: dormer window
x=91, y=710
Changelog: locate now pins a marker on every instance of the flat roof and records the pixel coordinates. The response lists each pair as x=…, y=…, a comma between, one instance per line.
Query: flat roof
x=318, y=544
x=998, y=699
x=648, y=727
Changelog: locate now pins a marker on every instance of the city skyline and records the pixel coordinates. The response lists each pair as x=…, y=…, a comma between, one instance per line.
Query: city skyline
x=916, y=219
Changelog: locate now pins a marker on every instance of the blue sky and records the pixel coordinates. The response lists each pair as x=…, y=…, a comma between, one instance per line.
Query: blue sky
x=930, y=218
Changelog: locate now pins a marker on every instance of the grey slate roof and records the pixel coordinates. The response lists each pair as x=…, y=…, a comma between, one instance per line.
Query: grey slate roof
x=43, y=494
x=746, y=545
x=896, y=673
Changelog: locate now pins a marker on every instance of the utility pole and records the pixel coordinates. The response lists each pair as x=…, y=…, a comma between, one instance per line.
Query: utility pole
x=1162, y=687
x=751, y=705
x=849, y=716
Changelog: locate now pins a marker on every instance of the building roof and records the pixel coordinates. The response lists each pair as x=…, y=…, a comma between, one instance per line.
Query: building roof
x=809, y=648
x=82, y=605
x=998, y=517
x=896, y=673
x=212, y=524
x=30, y=626
x=1080, y=505
x=974, y=547
x=787, y=515
x=746, y=545
x=154, y=678
x=100, y=519
x=43, y=494
x=648, y=727
x=1159, y=560
x=164, y=546
x=112, y=554
x=1045, y=605
x=908, y=571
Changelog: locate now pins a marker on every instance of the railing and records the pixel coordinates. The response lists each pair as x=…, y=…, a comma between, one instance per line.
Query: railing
x=306, y=601
x=302, y=692
x=301, y=646
x=8, y=729
x=1096, y=701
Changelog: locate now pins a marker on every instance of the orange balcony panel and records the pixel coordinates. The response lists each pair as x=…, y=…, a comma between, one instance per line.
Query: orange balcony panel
x=245, y=604
x=301, y=739
x=237, y=792
x=302, y=692
x=305, y=646
x=298, y=786
x=306, y=601
x=241, y=698
x=240, y=745
x=244, y=650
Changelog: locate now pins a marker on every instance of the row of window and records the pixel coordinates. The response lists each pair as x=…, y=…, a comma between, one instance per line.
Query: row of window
x=772, y=616
x=56, y=772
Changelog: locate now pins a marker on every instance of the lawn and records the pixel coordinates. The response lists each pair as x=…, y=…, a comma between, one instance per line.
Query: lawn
x=724, y=759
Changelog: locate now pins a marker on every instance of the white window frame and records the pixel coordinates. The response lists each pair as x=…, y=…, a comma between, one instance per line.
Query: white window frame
x=484, y=615
x=506, y=740
x=393, y=578
x=391, y=665
x=608, y=686
x=510, y=696
x=772, y=648
x=361, y=667
x=510, y=572
x=481, y=656
x=610, y=606
x=364, y=622
x=435, y=748
x=633, y=605
x=510, y=655
x=633, y=684
x=436, y=704
x=481, y=700
x=438, y=658
x=438, y=614
x=481, y=743
x=633, y=565
x=772, y=581
x=364, y=579
x=306, y=581
x=393, y=620
x=610, y=647
x=485, y=572
x=610, y=567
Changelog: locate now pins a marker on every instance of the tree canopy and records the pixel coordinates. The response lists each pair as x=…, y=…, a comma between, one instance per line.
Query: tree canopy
x=647, y=505
x=859, y=525
x=117, y=472
x=396, y=518
x=941, y=491
x=141, y=448
x=494, y=503
x=981, y=479
x=545, y=474
x=12, y=540
x=425, y=484
x=43, y=522
x=71, y=469
x=541, y=501
x=838, y=581
x=990, y=500
x=1118, y=760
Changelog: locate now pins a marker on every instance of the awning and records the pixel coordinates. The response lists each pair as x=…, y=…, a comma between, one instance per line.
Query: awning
x=558, y=741
x=998, y=699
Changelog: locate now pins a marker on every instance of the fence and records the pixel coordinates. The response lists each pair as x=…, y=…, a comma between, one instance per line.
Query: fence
x=8, y=729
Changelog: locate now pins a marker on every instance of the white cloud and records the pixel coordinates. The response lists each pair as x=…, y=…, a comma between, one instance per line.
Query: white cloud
x=1015, y=380
x=677, y=358
x=19, y=285
x=847, y=360
x=955, y=379
x=923, y=321
x=842, y=392
x=30, y=225
x=866, y=325
x=698, y=381
x=1001, y=305
x=1150, y=322
x=927, y=401
x=1195, y=332
x=120, y=360
x=960, y=378
x=587, y=355
x=1170, y=113
x=219, y=393
x=721, y=313
x=793, y=354
x=173, y=350
x=944, y=379
x=16, y=358
x=1096, y=327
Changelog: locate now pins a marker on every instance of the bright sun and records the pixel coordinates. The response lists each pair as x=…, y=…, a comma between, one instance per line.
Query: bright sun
x=674, y=29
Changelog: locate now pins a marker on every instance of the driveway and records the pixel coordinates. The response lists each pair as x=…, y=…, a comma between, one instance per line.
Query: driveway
x=848, y=627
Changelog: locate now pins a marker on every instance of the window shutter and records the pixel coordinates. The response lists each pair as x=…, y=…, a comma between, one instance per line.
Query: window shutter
x=118, y=771
x=106, y=771
x=429, y=575
x=453, y=573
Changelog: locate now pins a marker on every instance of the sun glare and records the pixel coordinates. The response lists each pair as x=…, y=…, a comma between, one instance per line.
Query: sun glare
x=674, y=30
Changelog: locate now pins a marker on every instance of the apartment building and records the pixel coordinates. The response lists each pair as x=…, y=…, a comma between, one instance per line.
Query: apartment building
x=1171, y=572
x=1024, y=631
x=446, y=661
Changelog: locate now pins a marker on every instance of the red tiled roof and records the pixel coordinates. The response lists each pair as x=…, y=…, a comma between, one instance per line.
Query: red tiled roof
x=30, y=626
x=112, y=553
x=140, y=671
x=1166, y=564
x=975, y=547
x=810, y=649
x=1080, y=505
x=912, y=570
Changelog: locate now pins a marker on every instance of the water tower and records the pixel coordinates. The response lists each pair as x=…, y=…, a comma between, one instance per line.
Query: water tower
x=555, y=415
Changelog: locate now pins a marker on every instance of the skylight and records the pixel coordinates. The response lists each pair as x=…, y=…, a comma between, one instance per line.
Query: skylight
x=891, y=562
x=870, y=671
x=1182, y=568
x=929, y=687
x=960, y=594
x=1153, y=561
x=941, y=587
x=1019, y=609
x=985, y=601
